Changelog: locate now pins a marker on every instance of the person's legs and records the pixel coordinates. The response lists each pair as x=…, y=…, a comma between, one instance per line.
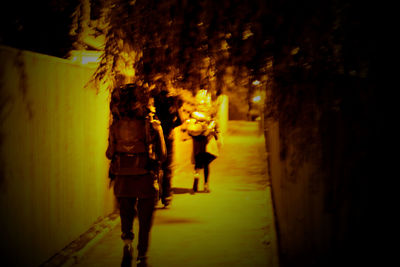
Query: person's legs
x=199, y=148
x=196, y=179
x=206, y=174
x=145, y=215
x=166, y=193
x=197, y=167
x=127, y=214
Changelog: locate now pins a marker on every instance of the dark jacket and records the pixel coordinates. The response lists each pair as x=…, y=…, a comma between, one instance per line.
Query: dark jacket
x=167, y=108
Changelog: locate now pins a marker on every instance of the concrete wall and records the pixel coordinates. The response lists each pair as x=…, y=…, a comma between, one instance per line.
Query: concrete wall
x=304, y=228
x=238, y=104
x=323, y=211
x=53, y=169
x=223, y=113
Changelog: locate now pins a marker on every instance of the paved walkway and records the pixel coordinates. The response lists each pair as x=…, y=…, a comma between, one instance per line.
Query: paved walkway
x=231, y=226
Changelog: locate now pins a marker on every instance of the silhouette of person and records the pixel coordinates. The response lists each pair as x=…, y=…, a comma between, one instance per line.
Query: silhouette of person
x=136, y=149
x=204, y=131
x=167, y=110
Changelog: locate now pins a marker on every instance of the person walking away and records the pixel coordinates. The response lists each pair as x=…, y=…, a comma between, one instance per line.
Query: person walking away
x=204, y=131
x=136, y=149
x=167, y=110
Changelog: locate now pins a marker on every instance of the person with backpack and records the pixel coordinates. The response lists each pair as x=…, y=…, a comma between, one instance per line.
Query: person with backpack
x=136, y=149
x=205, y=135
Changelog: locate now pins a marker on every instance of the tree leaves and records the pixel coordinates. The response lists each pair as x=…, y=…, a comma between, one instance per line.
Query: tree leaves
x=191, y=42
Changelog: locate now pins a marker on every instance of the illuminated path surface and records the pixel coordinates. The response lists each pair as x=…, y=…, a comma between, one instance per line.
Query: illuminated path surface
x=231, y=226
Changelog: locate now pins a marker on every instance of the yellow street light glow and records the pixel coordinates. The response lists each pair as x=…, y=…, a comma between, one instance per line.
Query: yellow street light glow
x=256, y=82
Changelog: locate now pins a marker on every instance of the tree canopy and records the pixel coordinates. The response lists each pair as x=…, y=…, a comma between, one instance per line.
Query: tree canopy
x=217, y=45
x=225, y=45
x=192, y=43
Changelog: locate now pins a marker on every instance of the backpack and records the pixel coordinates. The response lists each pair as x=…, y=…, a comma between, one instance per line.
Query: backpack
x=199, y=124
x=130, y=153
x=135, y=147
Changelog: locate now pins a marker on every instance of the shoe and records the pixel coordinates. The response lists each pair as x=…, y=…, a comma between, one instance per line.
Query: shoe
x=206, y=188
x=166, y=201
x=127, y=256
x=141, y=262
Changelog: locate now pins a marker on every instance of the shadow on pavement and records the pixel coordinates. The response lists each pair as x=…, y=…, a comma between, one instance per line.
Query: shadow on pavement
x=170, y=220
x=177, y=190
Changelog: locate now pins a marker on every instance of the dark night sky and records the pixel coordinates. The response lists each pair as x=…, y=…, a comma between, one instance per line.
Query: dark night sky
x=40, y=26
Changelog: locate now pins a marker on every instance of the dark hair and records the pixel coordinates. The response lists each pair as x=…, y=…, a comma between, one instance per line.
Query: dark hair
x=130, y=101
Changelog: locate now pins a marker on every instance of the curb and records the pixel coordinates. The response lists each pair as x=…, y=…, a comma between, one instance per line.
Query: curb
x=76, y=250
x=77, y=256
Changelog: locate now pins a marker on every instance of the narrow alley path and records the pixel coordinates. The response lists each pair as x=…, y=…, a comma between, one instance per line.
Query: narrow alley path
x=231, y=226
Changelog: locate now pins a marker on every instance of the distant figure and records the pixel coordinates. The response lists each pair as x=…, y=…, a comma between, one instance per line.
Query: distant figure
x=167, y=110
x=136, y=149
x=204, y=131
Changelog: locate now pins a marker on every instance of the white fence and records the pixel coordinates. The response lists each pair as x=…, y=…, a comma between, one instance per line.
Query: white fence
x=53, y=169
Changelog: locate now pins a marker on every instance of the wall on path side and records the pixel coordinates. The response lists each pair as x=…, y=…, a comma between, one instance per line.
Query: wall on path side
x=323, y=210
x=53, y=169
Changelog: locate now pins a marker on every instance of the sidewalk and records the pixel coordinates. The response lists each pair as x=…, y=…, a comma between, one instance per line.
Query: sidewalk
x=231, y=226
